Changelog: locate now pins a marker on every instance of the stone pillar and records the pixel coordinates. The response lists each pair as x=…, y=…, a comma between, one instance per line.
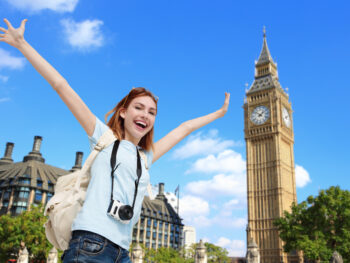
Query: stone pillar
x=253, y=255
x=35, y=153
x=23, y=254
x=78, y=161
x=201, y=253
x=52, y=257
x=137, y=254
x=336, y=258
x=8, y=154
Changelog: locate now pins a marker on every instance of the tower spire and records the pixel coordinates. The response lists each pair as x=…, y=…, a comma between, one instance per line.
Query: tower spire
x=265, y=56
x=266, y=74
x=265, y=64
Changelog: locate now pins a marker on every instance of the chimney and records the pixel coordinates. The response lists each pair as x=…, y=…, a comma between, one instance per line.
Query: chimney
x=78, y=161
x=37, y=144
x=8, y=154
x=161, y=189
x=161, y=195
x=35, y=153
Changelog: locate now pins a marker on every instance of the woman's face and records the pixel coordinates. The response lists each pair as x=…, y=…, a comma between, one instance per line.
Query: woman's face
x=138, y=118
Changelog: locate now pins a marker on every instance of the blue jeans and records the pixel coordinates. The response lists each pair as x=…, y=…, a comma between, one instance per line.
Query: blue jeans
x=88, y=247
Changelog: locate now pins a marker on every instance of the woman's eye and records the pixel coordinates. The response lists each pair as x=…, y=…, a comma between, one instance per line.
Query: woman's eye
x=152, y=113
x=138, y=108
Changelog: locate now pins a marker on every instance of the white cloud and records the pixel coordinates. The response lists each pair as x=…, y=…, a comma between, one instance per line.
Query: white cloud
x=4, y=78
x=227, y=161
x=9, y=61
x=236, y=248
x=199, y=144
x=219, y=185
x=192, y=206
x=229, y=222
x=4, y=99
x=233, y=204
x=302, y=177
x=38, y=5
x=85, y=35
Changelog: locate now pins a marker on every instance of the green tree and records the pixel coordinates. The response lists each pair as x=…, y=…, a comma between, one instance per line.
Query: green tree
x=318, y=226
x=216, y=253
x=27, y=227
x=165, y=255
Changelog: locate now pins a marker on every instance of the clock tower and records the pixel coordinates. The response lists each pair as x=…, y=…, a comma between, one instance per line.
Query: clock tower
x=268, y=128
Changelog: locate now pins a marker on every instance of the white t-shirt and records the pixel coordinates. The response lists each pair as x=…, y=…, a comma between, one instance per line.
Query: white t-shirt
x=93, y=216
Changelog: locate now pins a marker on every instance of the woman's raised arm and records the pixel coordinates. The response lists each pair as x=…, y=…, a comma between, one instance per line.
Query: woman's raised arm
x=15, y=37
x=175, y=136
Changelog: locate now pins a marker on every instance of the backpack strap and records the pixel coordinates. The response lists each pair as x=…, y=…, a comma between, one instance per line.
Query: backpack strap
x=105, y=140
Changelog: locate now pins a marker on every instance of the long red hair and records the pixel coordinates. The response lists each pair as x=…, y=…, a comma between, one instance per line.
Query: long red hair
x=116, y=122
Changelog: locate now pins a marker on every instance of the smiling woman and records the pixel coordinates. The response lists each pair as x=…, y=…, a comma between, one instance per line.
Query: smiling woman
x=97, y=236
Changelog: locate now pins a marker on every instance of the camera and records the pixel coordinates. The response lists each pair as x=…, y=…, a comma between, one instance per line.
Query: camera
x=119, y=211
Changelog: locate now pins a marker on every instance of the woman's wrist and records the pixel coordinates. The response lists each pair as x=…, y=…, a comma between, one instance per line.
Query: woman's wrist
x=20, y=45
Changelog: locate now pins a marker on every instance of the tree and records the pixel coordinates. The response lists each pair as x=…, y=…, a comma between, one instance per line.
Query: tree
x=27, y=227
x=216, y=253
x=163, y=254
x=318, y=226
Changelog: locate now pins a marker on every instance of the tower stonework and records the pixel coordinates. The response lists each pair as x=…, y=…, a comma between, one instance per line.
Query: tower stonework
x=268, y=129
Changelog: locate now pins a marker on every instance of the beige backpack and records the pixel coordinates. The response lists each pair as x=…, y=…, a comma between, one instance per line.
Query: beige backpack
x=70, y=191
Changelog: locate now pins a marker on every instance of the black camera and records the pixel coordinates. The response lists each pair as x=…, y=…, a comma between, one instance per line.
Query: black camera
x=119, y=211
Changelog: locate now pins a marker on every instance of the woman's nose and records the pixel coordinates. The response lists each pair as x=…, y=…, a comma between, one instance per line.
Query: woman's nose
x=144, y=114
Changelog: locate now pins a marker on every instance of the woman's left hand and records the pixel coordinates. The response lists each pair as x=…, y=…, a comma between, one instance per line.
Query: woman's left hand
x=224, y=107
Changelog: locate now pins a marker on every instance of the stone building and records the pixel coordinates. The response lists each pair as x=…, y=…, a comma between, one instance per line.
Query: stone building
x=32, y=182
x=268, y=128
x=28, y=182
x=159, y=225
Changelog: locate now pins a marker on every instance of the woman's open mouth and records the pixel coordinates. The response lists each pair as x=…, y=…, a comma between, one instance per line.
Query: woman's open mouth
x=140, y=125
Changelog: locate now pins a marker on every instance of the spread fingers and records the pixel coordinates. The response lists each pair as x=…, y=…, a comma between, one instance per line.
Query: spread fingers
x=8, y=23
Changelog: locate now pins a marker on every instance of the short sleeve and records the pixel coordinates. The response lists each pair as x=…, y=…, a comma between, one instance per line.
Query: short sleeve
x=100, y=128
x=149, y=155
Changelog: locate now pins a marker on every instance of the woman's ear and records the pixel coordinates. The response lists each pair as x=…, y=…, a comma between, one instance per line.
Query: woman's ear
x=122, y=113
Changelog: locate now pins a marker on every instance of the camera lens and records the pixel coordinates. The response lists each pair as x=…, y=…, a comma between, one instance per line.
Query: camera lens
x=125, y=212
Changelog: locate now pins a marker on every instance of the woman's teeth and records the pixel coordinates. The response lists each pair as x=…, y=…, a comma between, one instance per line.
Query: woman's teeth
x=141, y=124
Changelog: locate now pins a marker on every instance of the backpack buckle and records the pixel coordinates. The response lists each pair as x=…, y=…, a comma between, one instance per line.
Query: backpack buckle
x=98, y=147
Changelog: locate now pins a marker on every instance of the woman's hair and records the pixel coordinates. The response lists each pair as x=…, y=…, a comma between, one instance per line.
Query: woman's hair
x=116, y=122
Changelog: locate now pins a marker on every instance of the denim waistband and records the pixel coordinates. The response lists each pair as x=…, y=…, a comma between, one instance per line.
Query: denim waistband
x=79, y=233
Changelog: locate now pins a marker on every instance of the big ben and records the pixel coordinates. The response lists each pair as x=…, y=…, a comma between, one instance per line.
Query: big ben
x=268, y=128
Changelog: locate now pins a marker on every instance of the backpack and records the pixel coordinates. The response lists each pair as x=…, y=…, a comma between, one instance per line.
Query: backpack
x=69, y=197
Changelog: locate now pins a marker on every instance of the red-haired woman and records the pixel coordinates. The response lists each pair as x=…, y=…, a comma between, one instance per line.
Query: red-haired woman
x=97, y=235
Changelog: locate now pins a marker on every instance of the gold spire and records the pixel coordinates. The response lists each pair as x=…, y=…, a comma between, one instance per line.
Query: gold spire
x=265, y=56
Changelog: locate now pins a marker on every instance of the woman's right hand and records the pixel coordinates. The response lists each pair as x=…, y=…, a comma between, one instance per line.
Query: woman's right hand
x=13, y=36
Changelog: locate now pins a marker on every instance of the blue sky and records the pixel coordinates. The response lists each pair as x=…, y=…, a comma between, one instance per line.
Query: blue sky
x=188, y=53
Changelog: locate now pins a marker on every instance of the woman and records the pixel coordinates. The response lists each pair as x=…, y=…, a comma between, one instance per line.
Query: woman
x=97, y=236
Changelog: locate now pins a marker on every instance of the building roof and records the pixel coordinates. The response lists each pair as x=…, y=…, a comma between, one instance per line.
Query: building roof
x=160, y=208
x=33, y=166
x=266, y=82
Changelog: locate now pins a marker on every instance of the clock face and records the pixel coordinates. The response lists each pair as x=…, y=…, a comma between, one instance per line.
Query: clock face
x=286, y=117
x=260, y=115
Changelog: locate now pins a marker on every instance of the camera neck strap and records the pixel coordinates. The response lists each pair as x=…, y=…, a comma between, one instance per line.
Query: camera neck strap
x=114, y=168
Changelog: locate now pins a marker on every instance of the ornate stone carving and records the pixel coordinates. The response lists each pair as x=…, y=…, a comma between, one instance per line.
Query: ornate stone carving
x=137, y=254
x=201, y=253
x=253, y=255
x=23, y=254
x=52, y=257
x=336, y=258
